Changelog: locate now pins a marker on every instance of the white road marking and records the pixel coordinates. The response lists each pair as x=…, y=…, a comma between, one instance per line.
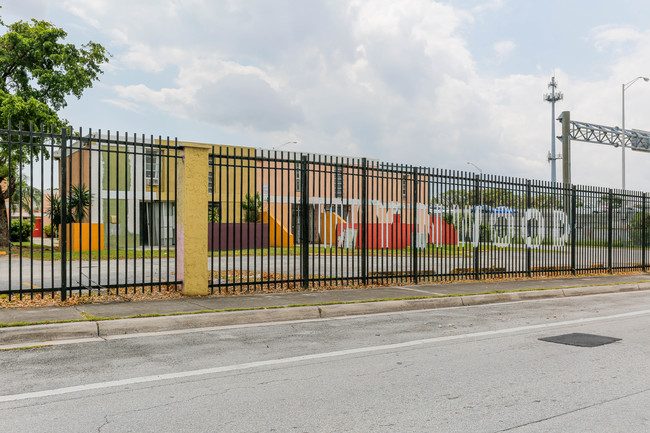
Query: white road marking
x=295, y=359
x=418, y=290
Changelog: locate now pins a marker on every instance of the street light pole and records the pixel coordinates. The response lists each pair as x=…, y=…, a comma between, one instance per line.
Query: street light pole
x=477, y=211
x=475, y=166
x=284, y=144
x=624, y=136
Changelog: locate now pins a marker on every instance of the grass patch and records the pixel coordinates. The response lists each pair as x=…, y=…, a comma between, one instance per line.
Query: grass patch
x=27, y=347
x=47, y=253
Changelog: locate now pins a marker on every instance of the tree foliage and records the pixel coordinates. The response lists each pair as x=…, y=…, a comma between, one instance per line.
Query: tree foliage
x=463, y=198
x=78, y=201
x=490, y=197
x=252, y=207
x=617, y=200
x=38, y=71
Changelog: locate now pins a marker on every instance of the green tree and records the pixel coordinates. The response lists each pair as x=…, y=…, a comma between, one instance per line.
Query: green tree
x=502, y=197
x=636, y=230
x=25, y=197
x=455, y=198
x=252, y=207
x=617, y=200
x=37, y=72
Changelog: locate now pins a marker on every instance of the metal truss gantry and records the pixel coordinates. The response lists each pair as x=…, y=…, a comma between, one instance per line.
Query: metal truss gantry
x=610, y=135
x=598, y=134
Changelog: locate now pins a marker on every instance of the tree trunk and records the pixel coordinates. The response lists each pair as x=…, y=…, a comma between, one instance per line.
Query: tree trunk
x=4, y=221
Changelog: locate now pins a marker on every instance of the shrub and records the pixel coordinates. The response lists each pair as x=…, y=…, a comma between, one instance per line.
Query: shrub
x=636, y=230
x=252, y=208
x=20, y=232
x=47, y=231
x=213, y=216
x=484, y=233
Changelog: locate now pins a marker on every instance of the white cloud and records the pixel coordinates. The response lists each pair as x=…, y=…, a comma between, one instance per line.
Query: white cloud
x=388, y=79
x=26, y=10
x=503, y=49
x=485, y=5
x=607, y=35
x=126, y=105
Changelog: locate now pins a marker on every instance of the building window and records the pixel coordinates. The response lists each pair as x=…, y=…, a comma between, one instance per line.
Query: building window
x=298, y=178
x=152, y=167
x=338, y=181
x=211, y=174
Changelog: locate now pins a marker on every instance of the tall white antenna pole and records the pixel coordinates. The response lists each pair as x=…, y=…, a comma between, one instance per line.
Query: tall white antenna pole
x=552, y=98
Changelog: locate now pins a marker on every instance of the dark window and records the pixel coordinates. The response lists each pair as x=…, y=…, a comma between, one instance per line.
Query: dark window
x=338, y=181
x=211, y=175
x=152, y=167
x=298, y=177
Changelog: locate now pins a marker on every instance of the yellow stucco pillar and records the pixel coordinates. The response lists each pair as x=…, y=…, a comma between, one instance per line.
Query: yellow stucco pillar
x=192, y=229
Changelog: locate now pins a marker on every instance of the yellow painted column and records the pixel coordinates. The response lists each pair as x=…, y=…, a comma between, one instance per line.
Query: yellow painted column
x=192, y=229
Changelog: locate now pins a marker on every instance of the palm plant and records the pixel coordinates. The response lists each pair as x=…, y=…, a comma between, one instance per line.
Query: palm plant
x=79, y=201
x=54, y=213
x=25, y=197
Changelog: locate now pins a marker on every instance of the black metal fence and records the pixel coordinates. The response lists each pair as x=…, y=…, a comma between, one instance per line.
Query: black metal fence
x=86, y=211
x=283, y=220
x=92, y=211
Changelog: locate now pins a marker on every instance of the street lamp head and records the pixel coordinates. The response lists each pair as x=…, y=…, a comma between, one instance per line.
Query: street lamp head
x=627, y=85
x=475, y=166
x=284, y=144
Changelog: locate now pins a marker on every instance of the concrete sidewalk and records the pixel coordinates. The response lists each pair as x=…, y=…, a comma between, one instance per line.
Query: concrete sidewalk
x=179, y=314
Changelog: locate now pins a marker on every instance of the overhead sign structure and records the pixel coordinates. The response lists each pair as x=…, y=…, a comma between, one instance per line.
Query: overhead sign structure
x=598, y=134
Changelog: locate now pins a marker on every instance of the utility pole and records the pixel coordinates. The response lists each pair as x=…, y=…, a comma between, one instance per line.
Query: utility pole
x=624, y=87
x=565, y=119
x=552, y=98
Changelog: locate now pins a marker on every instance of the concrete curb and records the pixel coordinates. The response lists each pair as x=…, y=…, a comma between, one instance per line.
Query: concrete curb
x=33, y=334
x=597, y=290
x=55, y=331
x=139, y=325
x=339, y=310
x=493, y=298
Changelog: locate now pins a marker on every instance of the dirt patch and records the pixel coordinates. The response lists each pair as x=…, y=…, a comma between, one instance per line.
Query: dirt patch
x=242, y=283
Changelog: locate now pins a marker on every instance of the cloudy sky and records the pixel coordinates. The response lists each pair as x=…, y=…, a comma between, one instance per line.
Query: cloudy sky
x=431, y=83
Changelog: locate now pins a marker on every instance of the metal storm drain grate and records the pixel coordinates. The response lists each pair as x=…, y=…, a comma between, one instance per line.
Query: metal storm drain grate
x=581, y=340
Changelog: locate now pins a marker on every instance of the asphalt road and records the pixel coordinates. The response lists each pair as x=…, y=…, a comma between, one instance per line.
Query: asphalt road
x=47, y=274
x=466, y=369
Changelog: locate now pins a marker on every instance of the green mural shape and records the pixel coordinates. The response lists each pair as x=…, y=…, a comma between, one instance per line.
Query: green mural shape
x=117, y=169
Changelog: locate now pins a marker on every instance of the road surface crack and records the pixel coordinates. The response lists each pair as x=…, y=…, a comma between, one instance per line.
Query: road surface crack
x=106, y=422
x=574, y=410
